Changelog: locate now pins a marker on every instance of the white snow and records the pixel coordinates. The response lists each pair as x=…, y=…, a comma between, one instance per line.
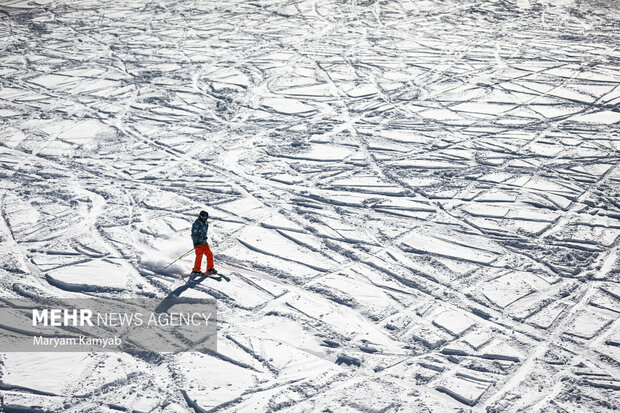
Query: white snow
x=417, y=203
x=455, y=322
x=606, y=117
x=89, y=276
x=288, y=106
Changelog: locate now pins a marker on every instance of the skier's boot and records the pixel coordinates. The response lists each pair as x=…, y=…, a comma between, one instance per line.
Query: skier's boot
x=195, y=274
x=212, y=270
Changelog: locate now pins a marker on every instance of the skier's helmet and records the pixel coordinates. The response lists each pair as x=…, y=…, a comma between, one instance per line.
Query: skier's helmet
x=204, y=214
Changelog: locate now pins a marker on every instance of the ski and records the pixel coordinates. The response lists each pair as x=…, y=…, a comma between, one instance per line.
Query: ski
x=217, y=276
x=220, y=275
x=199, y=278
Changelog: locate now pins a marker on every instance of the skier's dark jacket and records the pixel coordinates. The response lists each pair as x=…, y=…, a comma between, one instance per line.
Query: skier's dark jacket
x=199, y=232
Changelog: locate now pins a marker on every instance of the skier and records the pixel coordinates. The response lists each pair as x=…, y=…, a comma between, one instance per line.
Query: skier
x=199, y=237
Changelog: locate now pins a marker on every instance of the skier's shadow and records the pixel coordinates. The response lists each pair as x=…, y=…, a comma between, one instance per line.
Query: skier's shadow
x=189, y=284
x=176, y=293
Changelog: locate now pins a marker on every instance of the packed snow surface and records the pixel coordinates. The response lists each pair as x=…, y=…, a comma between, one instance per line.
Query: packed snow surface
x=418, y=202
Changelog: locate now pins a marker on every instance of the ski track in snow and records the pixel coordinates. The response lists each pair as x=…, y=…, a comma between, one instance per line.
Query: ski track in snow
x=418, y=202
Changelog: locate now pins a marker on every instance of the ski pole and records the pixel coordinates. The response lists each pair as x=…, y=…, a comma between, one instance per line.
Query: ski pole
x=182, y=256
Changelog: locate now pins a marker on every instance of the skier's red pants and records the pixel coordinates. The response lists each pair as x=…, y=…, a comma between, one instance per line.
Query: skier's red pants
x=203, y=249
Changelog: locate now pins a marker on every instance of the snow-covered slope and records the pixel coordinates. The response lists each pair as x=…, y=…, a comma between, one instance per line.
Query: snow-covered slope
x=418, y=202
